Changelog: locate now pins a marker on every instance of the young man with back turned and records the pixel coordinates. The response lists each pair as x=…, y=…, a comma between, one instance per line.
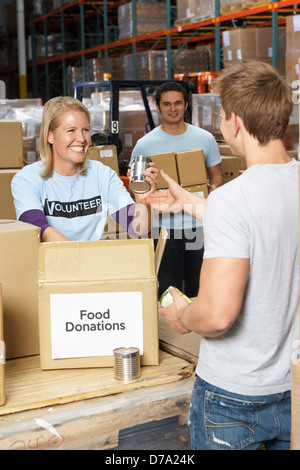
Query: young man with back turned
x=246, y=310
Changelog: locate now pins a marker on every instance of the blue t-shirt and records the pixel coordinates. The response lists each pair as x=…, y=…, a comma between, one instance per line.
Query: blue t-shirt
x=157, y=141
x=76, y=206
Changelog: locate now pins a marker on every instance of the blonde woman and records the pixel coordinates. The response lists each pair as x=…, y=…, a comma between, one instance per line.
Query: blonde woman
x=65, y=194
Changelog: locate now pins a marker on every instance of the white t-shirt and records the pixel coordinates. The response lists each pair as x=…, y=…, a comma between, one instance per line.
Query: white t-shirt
x=255, y=216
x=76, y=206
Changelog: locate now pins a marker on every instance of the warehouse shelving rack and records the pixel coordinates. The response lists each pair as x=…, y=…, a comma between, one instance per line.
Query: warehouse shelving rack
x=80, y=14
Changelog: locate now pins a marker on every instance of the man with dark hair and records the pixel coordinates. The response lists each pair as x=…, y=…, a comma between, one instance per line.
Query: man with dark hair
x=183, y=254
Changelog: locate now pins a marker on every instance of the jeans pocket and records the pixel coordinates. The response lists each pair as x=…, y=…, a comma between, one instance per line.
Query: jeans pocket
x=229, y=422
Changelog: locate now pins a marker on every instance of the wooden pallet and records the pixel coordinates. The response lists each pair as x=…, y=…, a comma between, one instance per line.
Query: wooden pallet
x=88, y=409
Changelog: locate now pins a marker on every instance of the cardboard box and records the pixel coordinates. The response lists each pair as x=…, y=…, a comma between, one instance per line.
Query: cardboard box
x=167, y=162
x=2, y=354
x=11, y=144
x=230, y=167
x=263, y=41
x=19, y=244
x=94, y=297
x=7, y=208
x=225, y=150
x=106, y=154
x=191, y=167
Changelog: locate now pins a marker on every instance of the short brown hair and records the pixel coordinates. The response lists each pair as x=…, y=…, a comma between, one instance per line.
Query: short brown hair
x=52, y=112
x=257, y=93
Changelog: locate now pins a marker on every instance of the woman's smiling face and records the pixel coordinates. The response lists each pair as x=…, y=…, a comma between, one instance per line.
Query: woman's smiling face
x=70, y=141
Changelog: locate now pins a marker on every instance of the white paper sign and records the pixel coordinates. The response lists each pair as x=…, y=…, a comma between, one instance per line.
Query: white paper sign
x=94, y=324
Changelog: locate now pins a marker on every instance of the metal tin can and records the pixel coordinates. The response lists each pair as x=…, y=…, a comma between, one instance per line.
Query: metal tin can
x=167, y=299
x=137, y=182
x=126, y=364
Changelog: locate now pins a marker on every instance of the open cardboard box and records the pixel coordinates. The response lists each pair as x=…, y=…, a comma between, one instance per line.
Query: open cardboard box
x=97, y=296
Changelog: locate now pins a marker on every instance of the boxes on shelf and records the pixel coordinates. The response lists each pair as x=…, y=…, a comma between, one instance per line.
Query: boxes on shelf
x=150, y=65
x=199, y=190
x=295, y=376
x=292, y=23
x=54, y=45
x=225, y=150
x=94, y=297
x=45, y=6
x=206, y=60
x=2, y=353
x=74, y=74
x=149, y=16
x=19, y=244
x=230, y=167
x=95, y=68
x=167, y=163
x=106, y=154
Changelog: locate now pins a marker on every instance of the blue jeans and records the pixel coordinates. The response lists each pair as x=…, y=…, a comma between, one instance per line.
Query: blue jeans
x=220, y=420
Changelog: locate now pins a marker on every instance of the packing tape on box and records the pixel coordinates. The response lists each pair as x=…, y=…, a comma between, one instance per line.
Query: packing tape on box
x=2, y=352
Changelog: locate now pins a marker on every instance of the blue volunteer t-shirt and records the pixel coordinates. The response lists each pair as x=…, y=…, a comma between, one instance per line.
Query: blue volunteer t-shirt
x=76, y=206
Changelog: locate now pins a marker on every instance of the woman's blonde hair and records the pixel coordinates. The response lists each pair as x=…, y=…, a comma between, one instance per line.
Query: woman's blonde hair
x=52, y=112
x=259, y=96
